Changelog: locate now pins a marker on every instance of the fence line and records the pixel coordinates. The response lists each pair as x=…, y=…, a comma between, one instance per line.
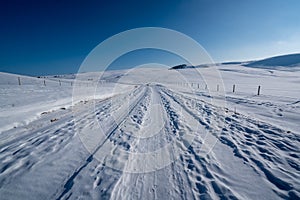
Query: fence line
x=234, y=88
x=256, y=89
x=59, y=82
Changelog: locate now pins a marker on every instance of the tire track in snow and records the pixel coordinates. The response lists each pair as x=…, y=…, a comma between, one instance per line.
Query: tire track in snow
x=70, y=181
x=25, y=150
x=161, y=181
x=197, y=169
x=272, y=152
x=158, y=181
x=132, y=124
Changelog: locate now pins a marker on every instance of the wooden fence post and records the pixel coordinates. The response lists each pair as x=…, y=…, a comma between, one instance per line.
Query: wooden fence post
x=59, y=82
x=44, y=83
x=19, y=80
x=258, y=90
x=206, y=86
x=218, y=88
x=233, y=88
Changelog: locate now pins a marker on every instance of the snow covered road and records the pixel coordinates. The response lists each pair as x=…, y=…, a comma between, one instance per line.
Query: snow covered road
x=153, y=143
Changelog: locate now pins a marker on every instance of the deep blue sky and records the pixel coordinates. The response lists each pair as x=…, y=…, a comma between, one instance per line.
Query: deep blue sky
x=53, y=37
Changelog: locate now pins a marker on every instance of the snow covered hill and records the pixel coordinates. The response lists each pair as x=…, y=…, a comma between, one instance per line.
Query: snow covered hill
x=286, y=62
x=291, y=60
x=151, y=133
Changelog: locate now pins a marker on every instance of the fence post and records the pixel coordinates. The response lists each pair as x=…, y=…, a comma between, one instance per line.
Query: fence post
x=233, y=88
x=44, y=83
x=19, y=80
x=59, y=82
x=206, y=86
x=218, y=88
x=198, y=85
x=258, y=90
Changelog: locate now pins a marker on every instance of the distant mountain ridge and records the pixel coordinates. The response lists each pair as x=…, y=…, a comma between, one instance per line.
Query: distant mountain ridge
x=290, y=60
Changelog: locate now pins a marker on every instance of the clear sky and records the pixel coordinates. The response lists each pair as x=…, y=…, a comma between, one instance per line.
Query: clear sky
x=53, y=37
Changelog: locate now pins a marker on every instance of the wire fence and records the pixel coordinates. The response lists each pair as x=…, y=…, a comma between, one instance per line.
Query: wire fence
x=238, y=88
x=241, y=88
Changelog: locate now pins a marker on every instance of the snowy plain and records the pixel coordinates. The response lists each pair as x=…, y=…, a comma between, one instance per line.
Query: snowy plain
x=152, y=133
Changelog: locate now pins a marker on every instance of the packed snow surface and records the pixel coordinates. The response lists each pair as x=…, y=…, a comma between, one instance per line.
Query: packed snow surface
x=151, y=133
